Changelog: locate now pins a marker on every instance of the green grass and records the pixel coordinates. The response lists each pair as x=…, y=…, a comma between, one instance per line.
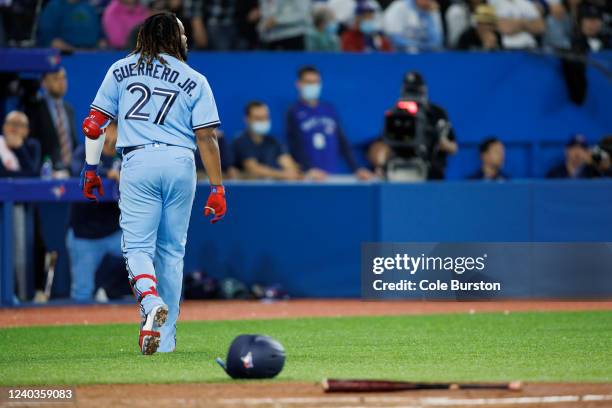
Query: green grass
x=574, y=346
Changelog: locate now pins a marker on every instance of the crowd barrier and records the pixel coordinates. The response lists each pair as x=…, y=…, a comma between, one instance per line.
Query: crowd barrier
x=307, y=237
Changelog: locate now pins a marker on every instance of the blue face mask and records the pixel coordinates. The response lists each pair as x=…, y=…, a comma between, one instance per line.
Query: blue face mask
x=367, y=26
x=332, y=27
x=261, y=127
x=310, y=92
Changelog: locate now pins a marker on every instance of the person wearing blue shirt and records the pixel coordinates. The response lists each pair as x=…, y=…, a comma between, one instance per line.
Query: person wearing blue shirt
x=69, y=24
x=414, y=25
x=315, y=137
x=259, y=155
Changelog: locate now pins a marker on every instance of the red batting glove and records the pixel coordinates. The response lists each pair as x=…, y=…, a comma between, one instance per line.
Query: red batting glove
x=90, y=181
x=215, y=204
x=92, y=125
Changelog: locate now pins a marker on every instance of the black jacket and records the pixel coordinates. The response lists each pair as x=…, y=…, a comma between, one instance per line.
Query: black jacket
x=470, y=40
x=436, y=114
x=29, y=160
x=43, y=129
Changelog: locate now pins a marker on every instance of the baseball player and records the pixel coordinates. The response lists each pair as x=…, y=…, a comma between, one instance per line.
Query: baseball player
x=159, y=103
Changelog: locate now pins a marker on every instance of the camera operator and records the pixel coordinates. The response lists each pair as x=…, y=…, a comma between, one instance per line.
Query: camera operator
x=598, y=162
x=417, y=132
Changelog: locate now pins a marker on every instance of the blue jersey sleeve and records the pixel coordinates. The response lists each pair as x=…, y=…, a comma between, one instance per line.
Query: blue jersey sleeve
x=107, y=98
x=204, y=113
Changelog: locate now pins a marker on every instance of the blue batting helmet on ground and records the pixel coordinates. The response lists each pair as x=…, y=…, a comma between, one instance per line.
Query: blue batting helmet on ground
x=254, y=356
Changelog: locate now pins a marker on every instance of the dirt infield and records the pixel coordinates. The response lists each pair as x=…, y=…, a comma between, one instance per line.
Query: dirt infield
x=300, y=395
x=308, y=395
x=303, y=395
x=240, y=310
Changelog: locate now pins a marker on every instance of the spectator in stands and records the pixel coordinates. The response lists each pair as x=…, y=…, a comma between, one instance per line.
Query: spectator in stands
x=344, y=10
x=492, y=156
x=520, y=23
x=19, y=156
x=589, y=37
x=247, y=18
x=590, y=34
x=214, y=25
x=458, y=19
x=558, y=26
x=363, y=34
x=576, y=156
x=69, y=24
x=605, y=8
x=484, y=35
x=17, y=20
x=95, y=232
x=284, y=24
x=314, y=134
x=414, y=25
x=258, y=154
x=120, y=18
x=52, y=121
x=323, y=36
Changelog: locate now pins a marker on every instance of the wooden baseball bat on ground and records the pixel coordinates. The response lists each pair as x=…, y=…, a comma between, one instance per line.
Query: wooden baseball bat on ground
x=335, y=385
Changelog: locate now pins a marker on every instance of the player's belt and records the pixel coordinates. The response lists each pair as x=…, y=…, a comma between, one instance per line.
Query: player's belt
x=126, y=150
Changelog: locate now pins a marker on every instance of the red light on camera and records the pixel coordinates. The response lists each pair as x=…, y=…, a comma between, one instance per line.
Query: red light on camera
x=410, y=106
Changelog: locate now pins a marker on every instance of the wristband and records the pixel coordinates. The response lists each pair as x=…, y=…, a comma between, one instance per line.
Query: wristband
x=217, y=189
x=91, y=167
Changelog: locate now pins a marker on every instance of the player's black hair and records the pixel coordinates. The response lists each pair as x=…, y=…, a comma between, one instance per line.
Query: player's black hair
x=307, y=69
x=252, y=104
x=486, y=144
x=159, y=33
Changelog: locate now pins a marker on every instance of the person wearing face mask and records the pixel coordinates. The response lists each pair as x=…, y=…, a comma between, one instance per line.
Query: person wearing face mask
x=364, y=35
x=314, y=134
x=324, y=35
x=259, y=155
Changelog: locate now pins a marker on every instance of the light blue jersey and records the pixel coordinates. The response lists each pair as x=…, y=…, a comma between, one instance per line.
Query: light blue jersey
x=156, y=102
